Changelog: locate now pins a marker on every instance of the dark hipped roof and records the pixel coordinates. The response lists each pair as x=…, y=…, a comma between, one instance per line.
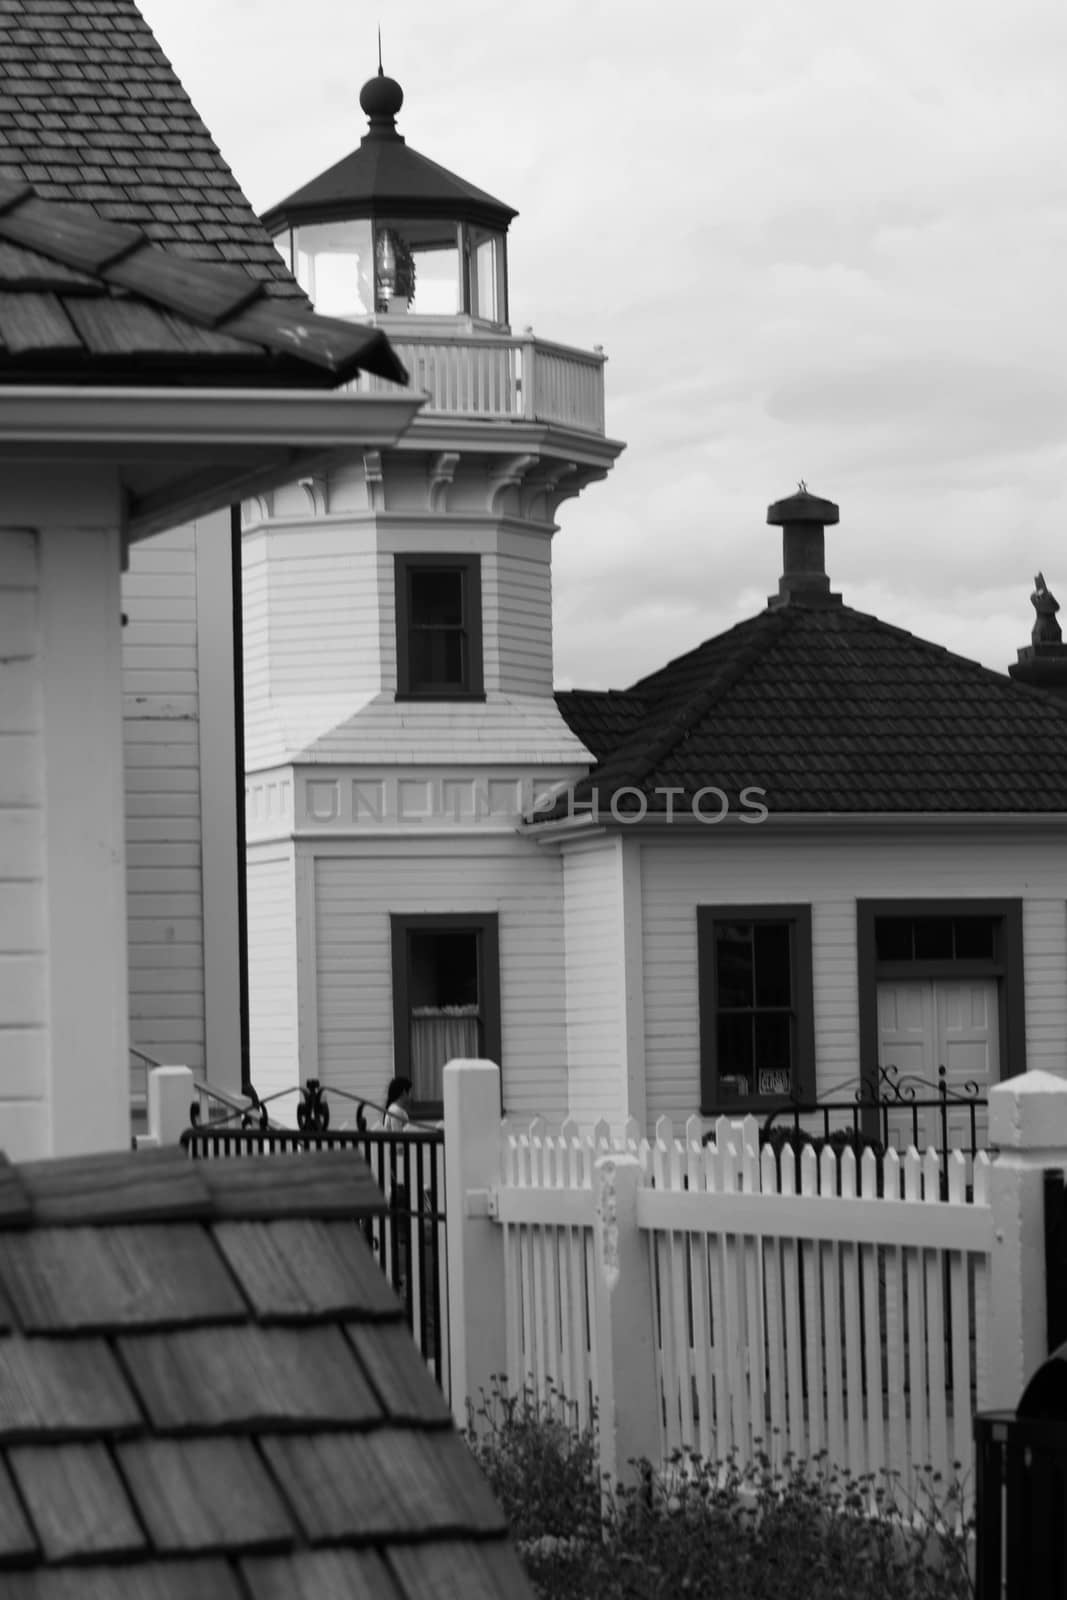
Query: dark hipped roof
x=208, y=1392
x=828, y=710
x=386, y=178
x=91, y=110
x=88, y=301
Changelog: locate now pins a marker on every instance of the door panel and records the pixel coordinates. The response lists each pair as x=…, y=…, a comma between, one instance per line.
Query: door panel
x=926, y=1023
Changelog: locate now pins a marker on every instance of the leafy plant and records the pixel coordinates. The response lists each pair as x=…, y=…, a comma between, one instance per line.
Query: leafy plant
x=698, y=1528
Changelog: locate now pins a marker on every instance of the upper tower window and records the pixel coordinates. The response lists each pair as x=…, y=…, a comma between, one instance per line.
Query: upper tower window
x=439, y=627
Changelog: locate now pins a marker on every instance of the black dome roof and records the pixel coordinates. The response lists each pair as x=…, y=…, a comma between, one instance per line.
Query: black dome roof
x=386, y=178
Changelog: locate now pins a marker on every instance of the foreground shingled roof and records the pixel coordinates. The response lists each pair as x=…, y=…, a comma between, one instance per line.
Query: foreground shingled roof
x=91, y=110
x=88, y=301
x=827, y=710
x=208, y=1392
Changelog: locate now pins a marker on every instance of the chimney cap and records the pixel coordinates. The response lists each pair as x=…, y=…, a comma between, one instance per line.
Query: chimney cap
x=803, y=507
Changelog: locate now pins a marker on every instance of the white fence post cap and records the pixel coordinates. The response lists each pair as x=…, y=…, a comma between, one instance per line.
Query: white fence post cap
x=1029, y=1112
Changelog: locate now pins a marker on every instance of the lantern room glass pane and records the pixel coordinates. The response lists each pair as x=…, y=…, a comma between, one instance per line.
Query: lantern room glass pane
x=486, y=254
x=417, y=266
x=334, y=265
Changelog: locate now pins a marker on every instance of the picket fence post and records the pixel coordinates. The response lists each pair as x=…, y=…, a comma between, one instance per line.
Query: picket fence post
x=476, y=1314
x=1028, y=1125
x=629, y=1399
x=170, y=1095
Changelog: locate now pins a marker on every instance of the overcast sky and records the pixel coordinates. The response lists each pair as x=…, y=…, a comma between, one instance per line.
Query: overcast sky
x=825, y=241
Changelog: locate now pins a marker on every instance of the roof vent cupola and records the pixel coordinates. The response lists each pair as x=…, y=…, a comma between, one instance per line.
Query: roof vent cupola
x=802, y=518
x=387, y=232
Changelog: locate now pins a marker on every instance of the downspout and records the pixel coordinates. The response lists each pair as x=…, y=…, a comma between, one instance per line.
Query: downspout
x=239, y=796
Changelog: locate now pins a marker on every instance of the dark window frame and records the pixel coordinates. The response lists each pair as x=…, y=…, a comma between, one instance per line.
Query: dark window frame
x=486, y=924
x=470, y=569
x=1005, y=965
x=798, y=916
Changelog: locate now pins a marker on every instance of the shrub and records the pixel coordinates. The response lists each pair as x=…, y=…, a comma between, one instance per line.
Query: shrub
x=808, y=1532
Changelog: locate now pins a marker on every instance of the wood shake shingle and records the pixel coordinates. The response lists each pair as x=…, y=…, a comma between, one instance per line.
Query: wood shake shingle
x=207, y=1388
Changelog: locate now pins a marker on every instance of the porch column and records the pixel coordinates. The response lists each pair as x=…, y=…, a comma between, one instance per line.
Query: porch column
x=64, y=1063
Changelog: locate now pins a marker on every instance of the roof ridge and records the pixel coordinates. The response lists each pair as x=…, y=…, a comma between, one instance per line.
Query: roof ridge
x=700, y=701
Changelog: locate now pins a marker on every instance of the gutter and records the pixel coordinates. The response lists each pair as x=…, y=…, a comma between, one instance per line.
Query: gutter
x=293, y=418
x=561, y=829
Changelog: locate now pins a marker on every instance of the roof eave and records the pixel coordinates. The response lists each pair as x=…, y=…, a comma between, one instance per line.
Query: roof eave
x=586, y=823
x=189, y=451
x=306, y=213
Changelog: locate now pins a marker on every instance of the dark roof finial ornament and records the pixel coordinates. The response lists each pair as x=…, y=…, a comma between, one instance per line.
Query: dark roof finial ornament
x=1046, y=629
x=381, y=99
x=802, y=486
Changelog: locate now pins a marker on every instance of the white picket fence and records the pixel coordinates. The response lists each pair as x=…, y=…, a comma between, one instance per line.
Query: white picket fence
x=830, y=1315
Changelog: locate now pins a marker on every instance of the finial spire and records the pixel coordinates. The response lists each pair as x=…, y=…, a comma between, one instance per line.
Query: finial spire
x=1046, y=629
x=381, y=74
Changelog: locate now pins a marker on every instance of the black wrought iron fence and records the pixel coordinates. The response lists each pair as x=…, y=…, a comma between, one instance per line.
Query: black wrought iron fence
x=895, y=1110
x=409, y=1240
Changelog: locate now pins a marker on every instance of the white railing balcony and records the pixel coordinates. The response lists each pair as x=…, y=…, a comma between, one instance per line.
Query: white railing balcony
x=484, y=374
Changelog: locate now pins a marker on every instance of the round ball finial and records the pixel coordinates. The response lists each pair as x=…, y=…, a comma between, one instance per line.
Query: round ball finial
x=381, y=98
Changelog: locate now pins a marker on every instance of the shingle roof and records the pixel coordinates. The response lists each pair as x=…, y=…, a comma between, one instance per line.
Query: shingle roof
x=827, y=710
x=91, y=110
x=85, y=300
x=207, y=1390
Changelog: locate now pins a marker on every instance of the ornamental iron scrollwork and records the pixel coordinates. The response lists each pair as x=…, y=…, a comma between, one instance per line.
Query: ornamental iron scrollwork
x=313, y=1112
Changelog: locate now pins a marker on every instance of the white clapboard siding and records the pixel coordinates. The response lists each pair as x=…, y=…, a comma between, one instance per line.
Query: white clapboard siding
x=595, y=982
x=354, y=896
x=163, y=817
x=23, y=979
x=830, y=875
x=320, y=645
x=272, y=977
x=517, y=616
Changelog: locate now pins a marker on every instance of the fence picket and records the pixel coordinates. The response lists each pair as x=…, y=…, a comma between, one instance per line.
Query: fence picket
x=961, y=1330
x=794, y=1349
x=716, y=1246
x=850, y=1285
x=701, y=1293
x=934, y=1342
x=830, y=1274
x=918, y=1453
x=568, y=1310
x=550, y=1245
x=772, y=1271
x=812, y=1314
x=751, y=1260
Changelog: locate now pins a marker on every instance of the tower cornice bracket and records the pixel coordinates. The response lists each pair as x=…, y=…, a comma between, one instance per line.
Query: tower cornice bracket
x=257, y=508
x=542, y=491
x=374, y=479
x=507, y=476
x=317, y=489
x=442, y=471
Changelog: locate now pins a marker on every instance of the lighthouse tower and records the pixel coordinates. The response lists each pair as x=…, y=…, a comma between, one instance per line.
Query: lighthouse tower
x=400, y=716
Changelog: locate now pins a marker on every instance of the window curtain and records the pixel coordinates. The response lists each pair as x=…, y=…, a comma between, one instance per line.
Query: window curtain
x=439, y=1035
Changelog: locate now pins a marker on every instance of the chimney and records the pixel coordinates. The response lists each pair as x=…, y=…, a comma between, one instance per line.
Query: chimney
x=802, y=518
x=1043, y=662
